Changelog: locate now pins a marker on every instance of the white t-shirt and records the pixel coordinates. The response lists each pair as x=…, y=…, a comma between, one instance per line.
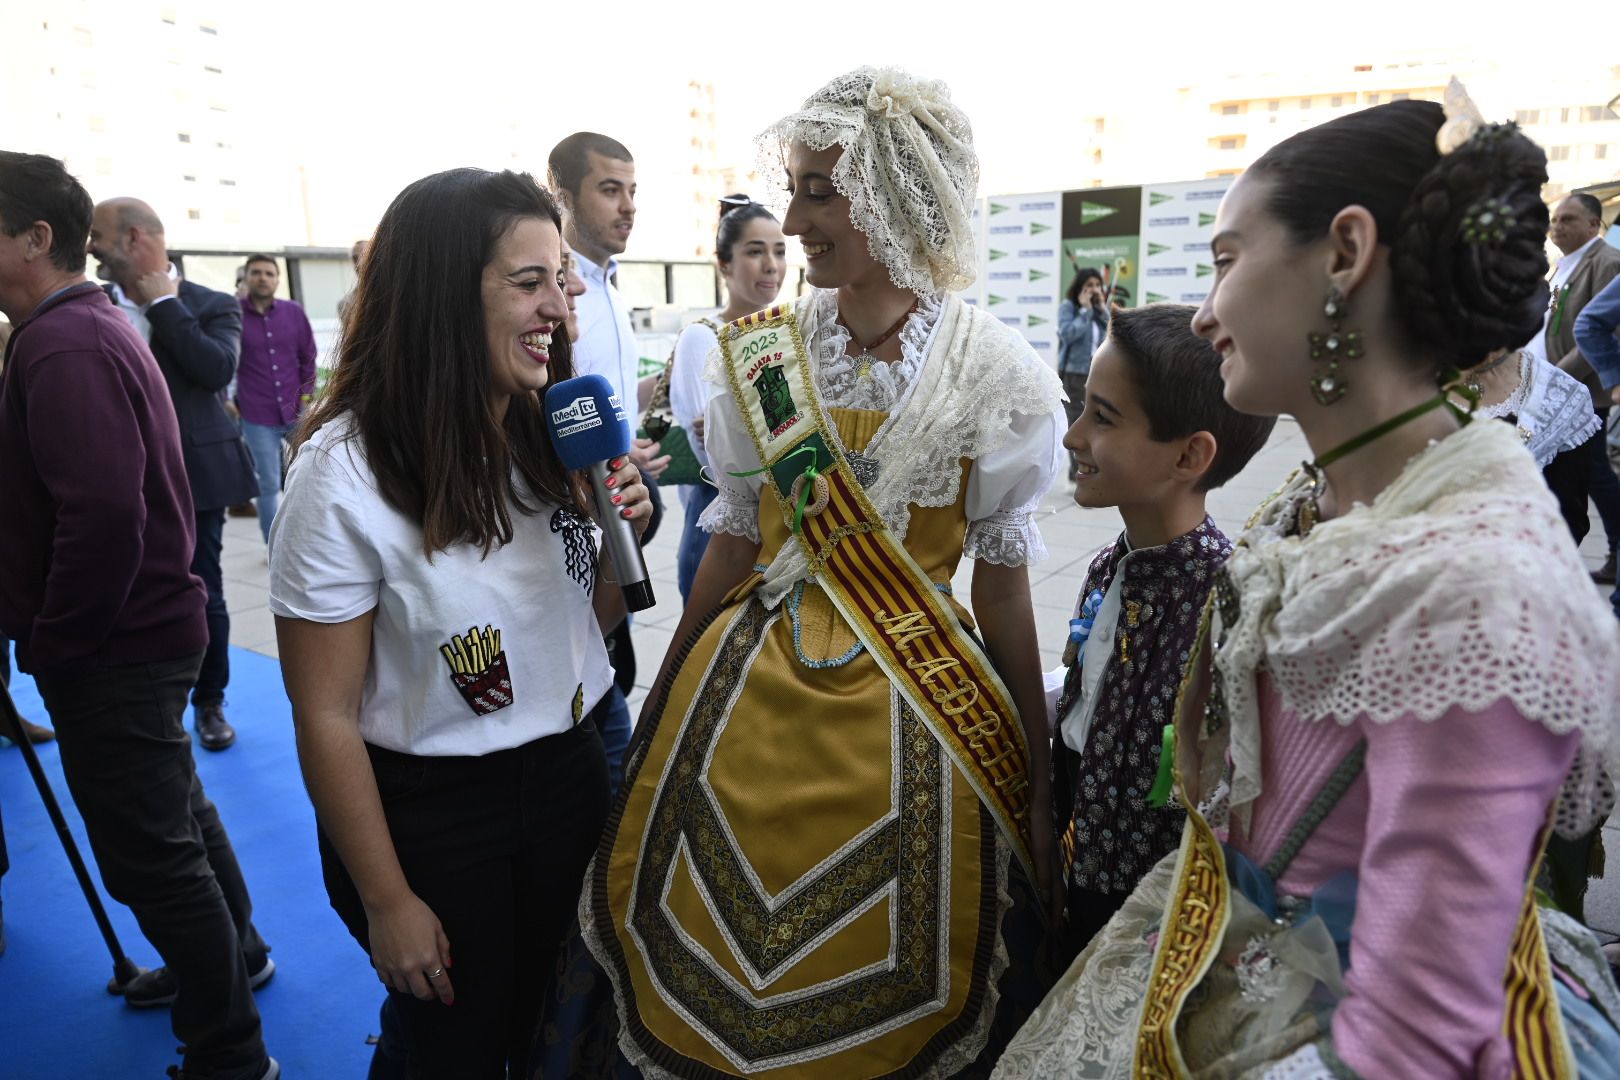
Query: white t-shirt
x=469, y=654
x=688, y=394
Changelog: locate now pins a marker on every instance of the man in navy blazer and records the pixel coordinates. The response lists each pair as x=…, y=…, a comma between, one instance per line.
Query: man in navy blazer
x=196, y=335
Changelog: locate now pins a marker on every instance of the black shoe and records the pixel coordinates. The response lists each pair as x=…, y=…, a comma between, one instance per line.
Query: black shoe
x=212, y=730
x=157, y=987
x=272, y=1071
x=1605, y=576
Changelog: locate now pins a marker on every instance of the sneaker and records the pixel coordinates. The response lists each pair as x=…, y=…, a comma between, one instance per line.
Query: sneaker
x=157, y=987
x=1605, y=576
x=272, y=1071
x=212, y=730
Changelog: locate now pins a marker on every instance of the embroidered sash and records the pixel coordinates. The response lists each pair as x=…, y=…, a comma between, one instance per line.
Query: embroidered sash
x=1200, y=907
x=887, y=599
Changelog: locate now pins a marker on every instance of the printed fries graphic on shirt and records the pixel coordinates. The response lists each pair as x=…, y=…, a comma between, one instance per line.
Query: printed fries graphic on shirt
x=478, y=668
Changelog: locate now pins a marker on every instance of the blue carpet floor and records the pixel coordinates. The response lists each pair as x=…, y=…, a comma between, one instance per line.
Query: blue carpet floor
x=56, y=1018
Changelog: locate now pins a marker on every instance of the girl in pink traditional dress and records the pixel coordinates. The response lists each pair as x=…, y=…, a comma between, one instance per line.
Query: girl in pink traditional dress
x=1405, y=678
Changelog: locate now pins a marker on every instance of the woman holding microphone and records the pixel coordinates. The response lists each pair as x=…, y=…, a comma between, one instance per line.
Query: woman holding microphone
x=434, y=575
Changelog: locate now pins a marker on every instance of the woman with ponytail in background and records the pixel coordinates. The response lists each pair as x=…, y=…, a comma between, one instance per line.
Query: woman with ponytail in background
x=752, y=255
x=1404, y=679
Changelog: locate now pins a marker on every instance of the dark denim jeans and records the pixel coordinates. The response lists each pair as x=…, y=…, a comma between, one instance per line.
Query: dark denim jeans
x=162, y=849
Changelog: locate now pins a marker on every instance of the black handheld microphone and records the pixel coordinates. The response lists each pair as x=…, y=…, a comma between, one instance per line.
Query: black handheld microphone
x=589, y=428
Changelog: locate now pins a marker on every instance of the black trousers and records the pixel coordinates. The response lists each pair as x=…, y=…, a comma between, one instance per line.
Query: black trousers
x=215, y=673
x=496, y=846
x=1604, y=485
x=162, y=849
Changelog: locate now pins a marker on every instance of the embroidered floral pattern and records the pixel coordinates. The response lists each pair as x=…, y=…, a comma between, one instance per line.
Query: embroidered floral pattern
x=1119, y=837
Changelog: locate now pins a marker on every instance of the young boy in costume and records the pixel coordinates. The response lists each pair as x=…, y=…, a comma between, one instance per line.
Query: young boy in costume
x=1155, y=437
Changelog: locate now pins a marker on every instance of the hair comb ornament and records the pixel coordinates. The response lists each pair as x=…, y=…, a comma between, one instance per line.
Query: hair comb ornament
x=1463, y=118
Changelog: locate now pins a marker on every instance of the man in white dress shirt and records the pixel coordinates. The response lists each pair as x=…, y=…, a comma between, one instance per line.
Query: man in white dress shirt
x=594, y=178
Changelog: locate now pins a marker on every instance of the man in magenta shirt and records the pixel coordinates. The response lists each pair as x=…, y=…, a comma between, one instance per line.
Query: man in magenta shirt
x=274, y=379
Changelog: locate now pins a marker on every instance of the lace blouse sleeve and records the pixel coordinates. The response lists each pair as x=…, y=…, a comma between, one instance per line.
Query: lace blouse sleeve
x=1006, y=485
x=735, y=509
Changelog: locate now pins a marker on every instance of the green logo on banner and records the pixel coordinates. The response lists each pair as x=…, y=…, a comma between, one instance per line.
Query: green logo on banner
x=1038, y=275
x=997, y=208
x=1205, y=270
x=1205, y=220
x=1090, y=212
x=1156, y=298
x=1157, y=197
x=994, y=254
x=1157, y=249
x=993, y=299
x=1036, y=228
x=1036, y=320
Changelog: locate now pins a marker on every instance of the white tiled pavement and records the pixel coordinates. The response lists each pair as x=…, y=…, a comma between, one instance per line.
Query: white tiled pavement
x=1072, y=536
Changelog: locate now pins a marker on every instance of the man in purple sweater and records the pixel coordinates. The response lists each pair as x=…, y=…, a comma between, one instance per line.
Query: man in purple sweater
x=96, y=591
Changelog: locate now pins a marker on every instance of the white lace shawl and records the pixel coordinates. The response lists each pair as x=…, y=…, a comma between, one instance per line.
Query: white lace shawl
x=1458, y=588
x=967, y=386
x=1553, y=409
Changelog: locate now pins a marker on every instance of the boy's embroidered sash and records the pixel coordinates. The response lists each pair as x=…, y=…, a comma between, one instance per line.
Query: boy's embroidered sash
x=1195, y=923
x=887, y=599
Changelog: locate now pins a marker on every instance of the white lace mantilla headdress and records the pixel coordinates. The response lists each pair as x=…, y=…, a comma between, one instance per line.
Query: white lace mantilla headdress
x=908, y=169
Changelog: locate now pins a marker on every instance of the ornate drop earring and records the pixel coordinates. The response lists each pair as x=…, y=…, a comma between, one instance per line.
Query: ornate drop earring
x=1329, y=384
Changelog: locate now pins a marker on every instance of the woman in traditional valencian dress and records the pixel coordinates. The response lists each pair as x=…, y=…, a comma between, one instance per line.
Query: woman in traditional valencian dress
x=1405, y=678
x=832, y=817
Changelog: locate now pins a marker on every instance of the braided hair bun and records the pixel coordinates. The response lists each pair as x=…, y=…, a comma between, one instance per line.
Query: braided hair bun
x=1468, y=255
x=1465, y=230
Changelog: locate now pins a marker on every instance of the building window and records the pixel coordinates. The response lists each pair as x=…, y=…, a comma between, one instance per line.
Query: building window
x=1304, y=102
x=227, y=183
x=213, y=70
x=1374, y=99
x=1558, y=153
x=222, y=145
x=1363, y=67
x=1592, y=113
x=1096, y=157
x=1098, y=125
x=188, y=178
x=205, y=28
x=184, y=136
x=1600, y=152
x=1337, y=101
x=1228, y=144
x=1273, y=105
x=194, y=215
x=1230, y=110
x=1400, y=96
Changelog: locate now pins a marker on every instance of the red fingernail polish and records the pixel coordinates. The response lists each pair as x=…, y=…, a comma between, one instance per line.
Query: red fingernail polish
x=627, y=512
x=613, y=481
x=617, y=499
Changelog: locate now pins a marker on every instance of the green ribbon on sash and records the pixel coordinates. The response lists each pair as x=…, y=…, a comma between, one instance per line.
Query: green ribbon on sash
x=809, y=472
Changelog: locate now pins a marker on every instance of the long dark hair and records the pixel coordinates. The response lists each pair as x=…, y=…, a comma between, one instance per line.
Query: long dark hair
x=1081, y=276
x=1466, y=230
x=413, y=365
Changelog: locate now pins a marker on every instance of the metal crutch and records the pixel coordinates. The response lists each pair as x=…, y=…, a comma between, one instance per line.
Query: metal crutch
x=124, y=969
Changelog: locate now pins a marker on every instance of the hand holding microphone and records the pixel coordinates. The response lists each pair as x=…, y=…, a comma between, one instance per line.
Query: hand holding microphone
x=590, y=430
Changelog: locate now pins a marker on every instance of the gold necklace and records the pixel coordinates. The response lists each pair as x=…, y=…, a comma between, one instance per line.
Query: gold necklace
x=865, y=359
